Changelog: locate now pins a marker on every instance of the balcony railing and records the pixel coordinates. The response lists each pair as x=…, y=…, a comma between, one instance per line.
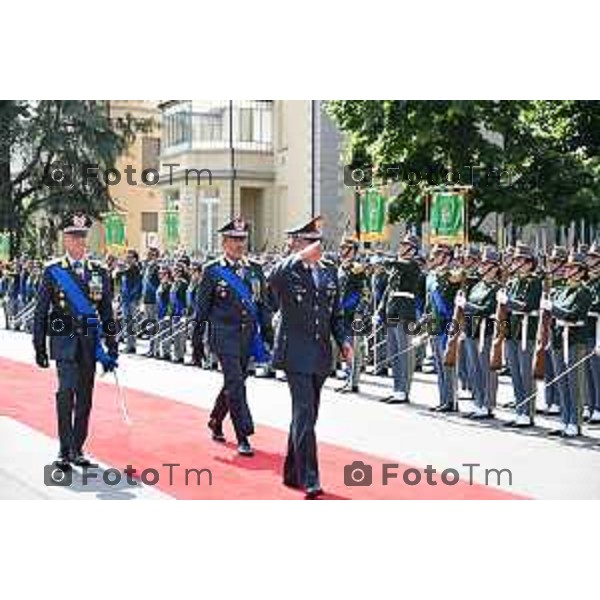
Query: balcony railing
x=217, y=125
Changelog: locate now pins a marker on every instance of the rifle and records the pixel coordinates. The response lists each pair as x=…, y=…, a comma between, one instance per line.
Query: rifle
x=458, y=320
x=543, y=333
x=500, y=319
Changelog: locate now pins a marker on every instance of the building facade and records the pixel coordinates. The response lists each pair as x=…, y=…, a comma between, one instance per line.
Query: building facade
x=275, y=163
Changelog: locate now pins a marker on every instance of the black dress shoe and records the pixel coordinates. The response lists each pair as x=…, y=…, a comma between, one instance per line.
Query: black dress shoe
x=313, y=493
x=80, y=460
x=245, y=449
x=444, y=408
x=63, y=462
x=216, y=431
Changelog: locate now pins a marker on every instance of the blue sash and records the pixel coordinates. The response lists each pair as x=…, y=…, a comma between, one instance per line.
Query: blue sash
x=128, y=294
x=351, y=301
x=444, y=310
x=83, y=308
x=257, y=347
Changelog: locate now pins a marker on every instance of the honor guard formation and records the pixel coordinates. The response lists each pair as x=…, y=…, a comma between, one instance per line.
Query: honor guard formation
x=467, y=315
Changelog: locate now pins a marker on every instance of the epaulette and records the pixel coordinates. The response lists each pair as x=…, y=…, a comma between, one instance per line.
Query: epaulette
x=211, y=263
x=328, y=263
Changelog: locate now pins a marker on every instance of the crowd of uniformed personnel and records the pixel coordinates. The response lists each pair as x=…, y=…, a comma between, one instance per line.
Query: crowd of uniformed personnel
x=474, y=313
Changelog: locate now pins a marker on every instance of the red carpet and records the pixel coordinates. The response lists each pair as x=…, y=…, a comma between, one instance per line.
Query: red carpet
x=167, y=431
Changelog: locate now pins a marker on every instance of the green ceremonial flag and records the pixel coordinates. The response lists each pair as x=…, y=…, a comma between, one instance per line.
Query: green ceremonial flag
x=172, y=228
x=114, y=225
x=4, y=246
x=447, y=218
x=373, y=206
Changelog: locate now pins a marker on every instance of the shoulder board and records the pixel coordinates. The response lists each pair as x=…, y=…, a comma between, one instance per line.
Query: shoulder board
x=211, y=263
x=328, y=263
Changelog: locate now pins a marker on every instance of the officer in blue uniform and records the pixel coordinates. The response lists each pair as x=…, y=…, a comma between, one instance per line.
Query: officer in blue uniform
x=307, y=292
x=74, y=346
x=233, y=297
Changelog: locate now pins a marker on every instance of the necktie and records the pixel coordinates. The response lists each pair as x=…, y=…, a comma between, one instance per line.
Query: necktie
x=315, y=274
x=78, y=268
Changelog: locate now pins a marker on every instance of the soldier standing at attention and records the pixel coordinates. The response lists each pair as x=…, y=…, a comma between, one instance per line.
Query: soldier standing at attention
x=442, y=288
x=523, y=297
x=74, y=289
x=398, y=310
x=150, y=283
x=131, y=292
x=470, y=259
x=307, y=292
x=354, y=294
x=163, y=295
x=570, y=308
x=233, y=297
x=177, y=310
x=480, y=307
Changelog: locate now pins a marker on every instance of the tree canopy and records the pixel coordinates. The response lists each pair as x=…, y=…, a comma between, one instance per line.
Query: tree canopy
x=36, y=138
x=529, y=160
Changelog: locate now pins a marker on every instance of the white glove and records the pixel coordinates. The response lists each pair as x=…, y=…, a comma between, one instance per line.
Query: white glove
x=501, y=297
x=546, y=304
x=461, y=300
x=597, y=350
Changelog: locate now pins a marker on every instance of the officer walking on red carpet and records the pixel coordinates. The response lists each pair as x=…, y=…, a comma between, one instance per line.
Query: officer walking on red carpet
x=307, y=292
x=233, y=297
x=74, y=308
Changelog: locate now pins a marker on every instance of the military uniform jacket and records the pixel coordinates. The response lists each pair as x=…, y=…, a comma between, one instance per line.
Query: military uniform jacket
x=524, y=296
x=231, y=325
x=441, y=292
x=191, y=297
x=594, y=287
x=131, y=285
x=178, y=298
x=481, y=304
x=311, y=314
x=354, y=292
x=150, y=282
x=163, y=295
x=570, y=307
x=52, y=304
x=405, y=289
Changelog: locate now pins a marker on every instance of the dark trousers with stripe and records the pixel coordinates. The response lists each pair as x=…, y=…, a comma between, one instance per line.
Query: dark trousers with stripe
x=74, y=400
x=301, y=467
x=232, y=397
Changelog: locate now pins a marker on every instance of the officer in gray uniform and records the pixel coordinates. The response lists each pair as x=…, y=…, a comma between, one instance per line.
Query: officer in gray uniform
x=233, y=327
x=75, y=349
x=307, y=292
